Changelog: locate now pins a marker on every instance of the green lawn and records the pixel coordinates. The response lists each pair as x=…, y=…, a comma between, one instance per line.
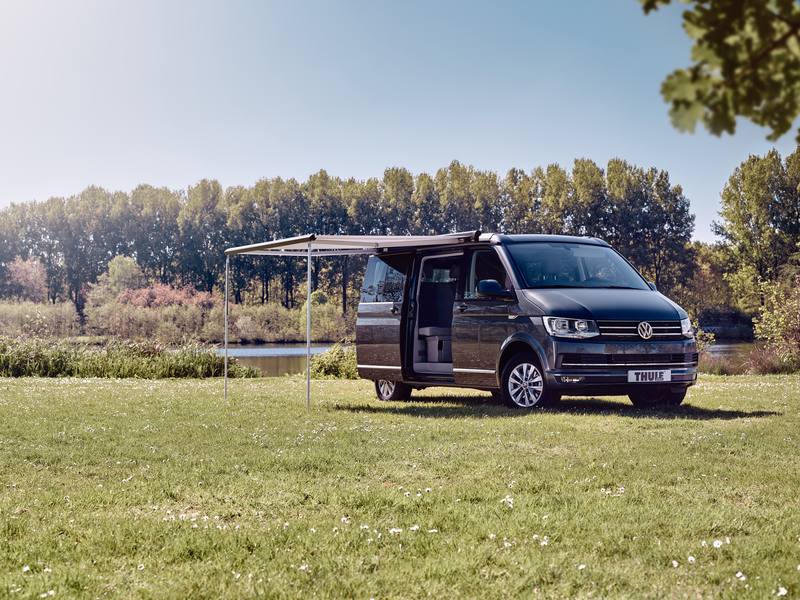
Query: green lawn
x=142, y=488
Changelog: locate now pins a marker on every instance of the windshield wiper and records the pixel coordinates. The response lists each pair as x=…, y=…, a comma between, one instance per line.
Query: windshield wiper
x=618, y=287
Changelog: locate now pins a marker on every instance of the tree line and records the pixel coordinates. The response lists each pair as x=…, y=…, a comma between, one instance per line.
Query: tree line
x=178, y=237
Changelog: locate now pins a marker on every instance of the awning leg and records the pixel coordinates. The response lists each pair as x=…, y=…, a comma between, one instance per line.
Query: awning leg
x=308, y=333
x=227, y=263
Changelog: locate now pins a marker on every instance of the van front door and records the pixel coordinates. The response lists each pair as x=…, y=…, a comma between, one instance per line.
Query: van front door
x=381, y=317
x=479, y=324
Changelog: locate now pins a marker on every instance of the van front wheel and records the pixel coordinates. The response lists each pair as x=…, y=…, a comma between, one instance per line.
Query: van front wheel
x=524, y=385
x=392, y=391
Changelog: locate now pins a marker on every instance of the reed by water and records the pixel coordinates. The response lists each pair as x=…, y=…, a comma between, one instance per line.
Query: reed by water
x=52, y=357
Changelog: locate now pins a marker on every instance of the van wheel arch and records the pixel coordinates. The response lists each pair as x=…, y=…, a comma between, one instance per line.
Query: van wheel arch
x=509, y=352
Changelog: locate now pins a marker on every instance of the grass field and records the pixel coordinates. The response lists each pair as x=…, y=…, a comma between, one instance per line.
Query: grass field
x=145, y=489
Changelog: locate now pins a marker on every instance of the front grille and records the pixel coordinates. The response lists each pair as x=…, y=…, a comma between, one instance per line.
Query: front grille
x=626, y=331
x=628, y=360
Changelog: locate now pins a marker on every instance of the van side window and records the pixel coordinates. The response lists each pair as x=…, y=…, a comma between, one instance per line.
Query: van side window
x=485, y=264
x=385, y=278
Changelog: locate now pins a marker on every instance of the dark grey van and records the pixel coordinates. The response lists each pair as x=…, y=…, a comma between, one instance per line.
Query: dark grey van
x=528, y=317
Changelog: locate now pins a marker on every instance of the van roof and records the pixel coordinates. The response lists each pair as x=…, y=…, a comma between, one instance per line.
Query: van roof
x=503, y=238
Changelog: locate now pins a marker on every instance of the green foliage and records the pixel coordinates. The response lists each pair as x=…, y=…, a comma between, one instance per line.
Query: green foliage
x=704, y=340
x=318, y=297
x=745, y=288
x=44, y=320
x=778, y=321
x=123, y=274
x=141, y=488
x=338, y=362
x=42, y=357
x=746, y=63
x=756, y=202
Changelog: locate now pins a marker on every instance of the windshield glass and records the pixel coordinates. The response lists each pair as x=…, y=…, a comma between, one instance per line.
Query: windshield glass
x=552, y=264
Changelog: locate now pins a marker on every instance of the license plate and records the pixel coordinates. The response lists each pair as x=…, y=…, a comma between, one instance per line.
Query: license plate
x=659, y=376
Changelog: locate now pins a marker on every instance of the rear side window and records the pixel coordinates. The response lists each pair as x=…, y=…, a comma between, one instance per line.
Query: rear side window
x=385, y=278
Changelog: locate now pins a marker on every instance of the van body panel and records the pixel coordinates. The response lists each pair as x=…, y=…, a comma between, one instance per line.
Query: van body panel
x=381, y=317
x=378, y=340
x=599, y=303
x=479, y=330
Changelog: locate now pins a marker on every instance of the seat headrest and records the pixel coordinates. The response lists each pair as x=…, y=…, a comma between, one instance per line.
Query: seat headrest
x=552, y=265
x=454, y=271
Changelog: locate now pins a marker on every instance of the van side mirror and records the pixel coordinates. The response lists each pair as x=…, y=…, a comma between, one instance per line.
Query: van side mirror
x=490, y=288
x=652, y=286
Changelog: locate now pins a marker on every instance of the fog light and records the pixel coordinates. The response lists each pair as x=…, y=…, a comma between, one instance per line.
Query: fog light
x=571, y=379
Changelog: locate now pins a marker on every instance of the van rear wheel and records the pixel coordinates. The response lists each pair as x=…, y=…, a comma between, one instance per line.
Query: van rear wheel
x=392, y=391
x=524, y=385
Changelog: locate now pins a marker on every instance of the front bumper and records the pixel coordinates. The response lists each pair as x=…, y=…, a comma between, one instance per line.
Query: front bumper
x=582, y=368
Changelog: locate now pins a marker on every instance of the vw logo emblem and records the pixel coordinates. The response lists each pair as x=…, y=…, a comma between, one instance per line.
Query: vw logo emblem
x=645, y=330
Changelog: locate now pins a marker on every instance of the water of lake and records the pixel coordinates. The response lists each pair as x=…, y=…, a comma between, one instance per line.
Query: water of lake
x=274, y=360
x=738, y=351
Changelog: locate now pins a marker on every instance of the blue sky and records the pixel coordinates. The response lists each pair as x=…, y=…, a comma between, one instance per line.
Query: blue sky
x=169, y=92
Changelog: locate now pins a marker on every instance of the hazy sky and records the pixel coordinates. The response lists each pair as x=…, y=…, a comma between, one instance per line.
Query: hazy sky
x=170, y=92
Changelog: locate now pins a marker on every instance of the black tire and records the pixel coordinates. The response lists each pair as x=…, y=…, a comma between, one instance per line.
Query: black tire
x=392, y=391
x=657, y=397
x=524, y=384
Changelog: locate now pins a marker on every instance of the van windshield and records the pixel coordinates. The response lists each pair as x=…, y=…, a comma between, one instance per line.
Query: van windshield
x=552, y=264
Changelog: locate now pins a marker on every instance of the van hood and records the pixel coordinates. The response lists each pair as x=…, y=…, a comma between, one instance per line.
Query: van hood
x=605, y=304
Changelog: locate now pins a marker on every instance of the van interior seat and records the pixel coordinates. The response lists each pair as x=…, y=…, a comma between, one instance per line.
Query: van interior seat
x=436, y=305
x=438, y=331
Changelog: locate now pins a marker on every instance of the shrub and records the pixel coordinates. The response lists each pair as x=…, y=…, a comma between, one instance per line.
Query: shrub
x=770, y=360
x=339, y=362
x=718, y=365
x=36, y=356
x=30, y=318
x=778, y=321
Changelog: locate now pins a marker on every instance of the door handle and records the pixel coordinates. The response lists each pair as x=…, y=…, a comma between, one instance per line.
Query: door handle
x=462, y=307
x=394, y=310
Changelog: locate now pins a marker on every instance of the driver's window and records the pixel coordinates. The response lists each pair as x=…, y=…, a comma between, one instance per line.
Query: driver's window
x=485, y=264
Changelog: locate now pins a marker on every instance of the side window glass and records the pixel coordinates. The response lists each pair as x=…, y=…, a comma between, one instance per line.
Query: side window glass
x=485, y=264
x=385, y=279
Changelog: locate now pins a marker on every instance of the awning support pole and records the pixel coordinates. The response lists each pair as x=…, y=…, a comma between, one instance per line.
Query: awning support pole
x=308, y=333
x=227, y=262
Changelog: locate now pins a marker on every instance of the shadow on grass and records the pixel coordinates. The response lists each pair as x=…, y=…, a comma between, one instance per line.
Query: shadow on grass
x=459, y=407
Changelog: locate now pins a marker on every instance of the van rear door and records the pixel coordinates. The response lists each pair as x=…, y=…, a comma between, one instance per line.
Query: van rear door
x=382, y=316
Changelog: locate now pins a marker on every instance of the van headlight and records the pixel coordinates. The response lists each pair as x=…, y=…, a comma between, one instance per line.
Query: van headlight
x=570, y=328
x=686, y=328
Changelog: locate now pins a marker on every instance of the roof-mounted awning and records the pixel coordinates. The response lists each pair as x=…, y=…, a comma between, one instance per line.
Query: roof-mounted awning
x=337, y=245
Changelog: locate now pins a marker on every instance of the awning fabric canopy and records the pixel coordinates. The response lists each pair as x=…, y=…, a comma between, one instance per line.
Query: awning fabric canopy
x=308, y=246
x=337, y=245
